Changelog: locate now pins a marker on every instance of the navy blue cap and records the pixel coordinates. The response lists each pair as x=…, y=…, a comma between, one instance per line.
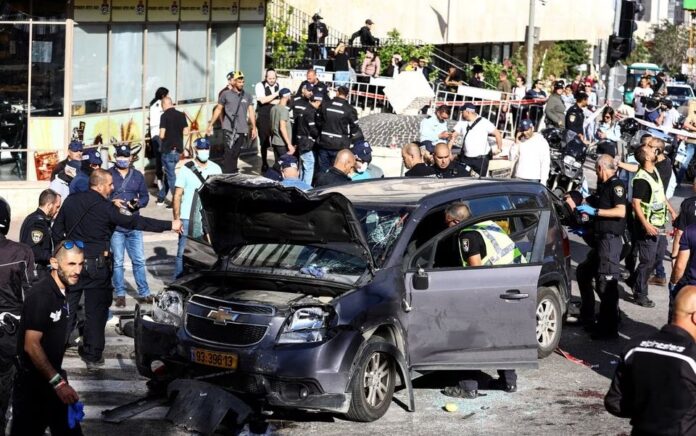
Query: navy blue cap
x=362, y=151
x=525, y=125
x=202, y=144
x=288, y=161
x=94, y=157
x=285, y=91
x=470, y=107
x=75, y=145
x=123, y=150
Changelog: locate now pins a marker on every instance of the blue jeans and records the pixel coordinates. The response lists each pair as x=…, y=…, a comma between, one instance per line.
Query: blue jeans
x=307, y=159
x=169, y=161
x=690, y=148
x=132, y=242
x=179, y=264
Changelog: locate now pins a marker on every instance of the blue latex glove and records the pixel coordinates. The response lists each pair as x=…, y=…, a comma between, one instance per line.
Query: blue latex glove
x=586, y=208
x=76, y=414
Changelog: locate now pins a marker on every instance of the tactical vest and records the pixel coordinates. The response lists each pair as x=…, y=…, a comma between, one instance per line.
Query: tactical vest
x=655, y=211
x=500, y=249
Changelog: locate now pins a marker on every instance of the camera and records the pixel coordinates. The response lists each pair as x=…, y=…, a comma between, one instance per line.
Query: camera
x=651, y=103
x=133, y=205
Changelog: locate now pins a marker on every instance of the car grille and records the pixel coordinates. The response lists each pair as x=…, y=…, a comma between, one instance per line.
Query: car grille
x=235, y=332
x=230, y=334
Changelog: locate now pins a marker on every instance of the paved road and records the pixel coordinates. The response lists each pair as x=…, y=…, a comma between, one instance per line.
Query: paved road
x=560, y=397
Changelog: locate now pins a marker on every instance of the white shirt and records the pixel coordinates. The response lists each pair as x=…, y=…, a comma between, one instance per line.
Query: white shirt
x=260, y=90
x=155, y=115
x=533, y=158
x=476, y=143
x=637, y=94
x=59, y=186
x=671, y=117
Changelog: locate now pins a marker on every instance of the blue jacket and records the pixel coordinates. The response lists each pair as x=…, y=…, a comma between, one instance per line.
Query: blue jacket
x=134, y=188
x=80, y=183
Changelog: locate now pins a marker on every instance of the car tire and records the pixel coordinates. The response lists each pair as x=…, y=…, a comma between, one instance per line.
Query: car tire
x=374, y=367
x=549, y=321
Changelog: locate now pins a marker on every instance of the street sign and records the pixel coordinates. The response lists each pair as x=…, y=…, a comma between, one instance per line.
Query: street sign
x=690, y=5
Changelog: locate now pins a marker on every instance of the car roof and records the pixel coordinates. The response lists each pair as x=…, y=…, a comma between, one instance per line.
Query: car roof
x=413, y=190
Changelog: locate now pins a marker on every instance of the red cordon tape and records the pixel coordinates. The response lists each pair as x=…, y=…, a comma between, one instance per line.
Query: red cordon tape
x=369, y=94
x=488, y=102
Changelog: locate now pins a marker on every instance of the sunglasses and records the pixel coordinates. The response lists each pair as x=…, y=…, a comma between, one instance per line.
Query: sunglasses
x=69, y=245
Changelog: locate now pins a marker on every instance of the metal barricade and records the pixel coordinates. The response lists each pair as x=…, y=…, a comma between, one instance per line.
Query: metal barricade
x=365, y=97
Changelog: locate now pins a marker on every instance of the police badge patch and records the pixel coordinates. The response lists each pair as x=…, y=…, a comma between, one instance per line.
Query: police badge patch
x=619, y=191
x=571, y=118
x=465, y=244
x=36, y=236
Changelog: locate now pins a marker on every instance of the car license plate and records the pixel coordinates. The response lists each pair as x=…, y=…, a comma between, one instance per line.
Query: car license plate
x=214, y=358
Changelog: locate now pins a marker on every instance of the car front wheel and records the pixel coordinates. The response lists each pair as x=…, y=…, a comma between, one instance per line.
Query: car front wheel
x=548, y=321
x=372, y=386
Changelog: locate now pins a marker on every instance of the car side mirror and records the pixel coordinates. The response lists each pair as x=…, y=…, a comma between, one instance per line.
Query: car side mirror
x=421, y=280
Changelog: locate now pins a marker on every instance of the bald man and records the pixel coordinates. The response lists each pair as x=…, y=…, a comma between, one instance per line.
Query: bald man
x=413, y=161
x=340, y=172
x=445, y=167
x=655, y=382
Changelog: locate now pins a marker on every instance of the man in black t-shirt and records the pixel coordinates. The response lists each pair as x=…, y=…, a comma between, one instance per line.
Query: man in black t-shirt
x=413, y=161
x=42, y=393
x=173, y=129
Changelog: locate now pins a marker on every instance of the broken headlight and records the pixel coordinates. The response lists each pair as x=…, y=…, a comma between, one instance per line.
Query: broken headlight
x=168, y=308
x=307, y=324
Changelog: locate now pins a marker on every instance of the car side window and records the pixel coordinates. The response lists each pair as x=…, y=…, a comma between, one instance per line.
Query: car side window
x=494, y=241
x=197, y=223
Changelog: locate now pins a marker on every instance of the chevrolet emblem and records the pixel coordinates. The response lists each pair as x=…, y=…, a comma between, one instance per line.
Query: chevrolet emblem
x=222, y=316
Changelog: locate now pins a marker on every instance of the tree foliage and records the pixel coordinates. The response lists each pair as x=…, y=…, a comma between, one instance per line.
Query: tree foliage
x=394, y=44
x=669, y=44
x=287, y=51
x=640, y=53
x=575, y=53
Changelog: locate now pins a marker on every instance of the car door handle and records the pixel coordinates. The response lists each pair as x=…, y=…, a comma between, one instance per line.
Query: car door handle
x=513, y=294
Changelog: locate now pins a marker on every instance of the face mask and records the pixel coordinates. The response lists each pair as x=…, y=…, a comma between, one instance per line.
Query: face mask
x=203, y=155
x=362, y=167
x=122, y=163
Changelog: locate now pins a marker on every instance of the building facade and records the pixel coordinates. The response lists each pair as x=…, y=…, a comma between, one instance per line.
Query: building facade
x=89, y=69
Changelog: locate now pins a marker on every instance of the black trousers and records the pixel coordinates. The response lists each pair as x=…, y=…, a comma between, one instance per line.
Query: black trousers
x=263, y=124
x=478, y=163
x=602, y=265
x=509, y=376
x=646, y=247
x=35, y=406
x=95, y=284
x=233, y=147
x=7, y=378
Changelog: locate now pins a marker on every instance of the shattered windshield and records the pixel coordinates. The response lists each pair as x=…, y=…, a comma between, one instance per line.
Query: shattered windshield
x=317, y=261
x=382, y=226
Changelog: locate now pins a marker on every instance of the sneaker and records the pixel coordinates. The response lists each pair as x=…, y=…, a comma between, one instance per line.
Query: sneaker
x=657, y=281
x=264, y=168
x=91, y=364
x=644, y=302
x=120, y=301
x=160, y=202
x=169, y=206
x=463, y=389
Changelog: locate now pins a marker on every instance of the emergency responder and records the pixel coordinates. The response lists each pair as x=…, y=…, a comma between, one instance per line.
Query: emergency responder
x=298, y=104
x=684, y=270
x=36, y=231
x=653, y=383
x=74, y=153
x=307, y=135
x=413, y=161
x=485, y=244
x=445, y=167
x=92, y=218
x=314, y=84
x=575, y=118
x=339, y=128
x=41, y=391
x=608, y=207
x=16, y=276
x=650, y=209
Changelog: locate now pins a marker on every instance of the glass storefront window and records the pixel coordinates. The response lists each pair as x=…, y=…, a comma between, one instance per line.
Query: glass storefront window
x=89, y=69
x=38, y=10
x=223, y=53
x=161, y=60
x=126, y=67
x=193, y=62
x=47, y=70
x=14, y=84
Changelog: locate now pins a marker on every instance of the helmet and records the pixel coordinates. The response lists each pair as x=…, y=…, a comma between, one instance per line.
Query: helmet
x=5, y=216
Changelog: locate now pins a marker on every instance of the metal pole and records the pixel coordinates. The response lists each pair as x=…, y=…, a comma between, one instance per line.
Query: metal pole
x=611, y=82
x=530, y=42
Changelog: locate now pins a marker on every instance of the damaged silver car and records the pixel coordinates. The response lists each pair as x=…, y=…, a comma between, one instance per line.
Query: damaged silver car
x=327, y=300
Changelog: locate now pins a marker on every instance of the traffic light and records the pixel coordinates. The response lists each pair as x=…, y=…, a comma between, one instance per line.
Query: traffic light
x=621, y=45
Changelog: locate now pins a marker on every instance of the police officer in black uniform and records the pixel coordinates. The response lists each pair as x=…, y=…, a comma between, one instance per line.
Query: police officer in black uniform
x=314, y=84
x=16, y=276
x=339, y=128
x=575, y=118
x=608, y=207
x=653, y=384
x=90, y=217
x=36, y=231
x=267, y=95
x=447, y=168
x=298, y=104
